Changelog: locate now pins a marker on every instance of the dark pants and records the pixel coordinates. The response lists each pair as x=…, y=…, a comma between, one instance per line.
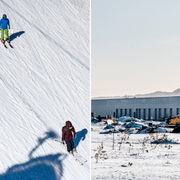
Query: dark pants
x=70, y=145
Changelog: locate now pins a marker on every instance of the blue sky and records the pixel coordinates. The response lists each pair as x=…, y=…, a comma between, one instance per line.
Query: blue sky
x=135, y=46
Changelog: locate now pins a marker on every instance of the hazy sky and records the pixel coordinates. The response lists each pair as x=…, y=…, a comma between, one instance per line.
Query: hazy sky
x=135, y=46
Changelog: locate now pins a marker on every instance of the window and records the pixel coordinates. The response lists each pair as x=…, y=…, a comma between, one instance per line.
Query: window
x=165, y=115
x=117, y=113
x=177, y=111
x=144, y=114
x=159, y=113
x=155, y=113
x=170, y=112
x=139, y=113
x=149, y=114
x=121, y=112
x=136, y=113
x=130, y=112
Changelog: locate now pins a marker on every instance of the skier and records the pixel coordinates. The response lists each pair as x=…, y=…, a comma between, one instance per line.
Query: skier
x=67, y=136
x=4, y=24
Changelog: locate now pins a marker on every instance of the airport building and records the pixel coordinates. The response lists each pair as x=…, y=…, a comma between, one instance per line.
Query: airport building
x=147, y=108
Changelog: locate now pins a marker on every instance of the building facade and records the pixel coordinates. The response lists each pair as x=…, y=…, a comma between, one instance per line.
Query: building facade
x=147, y=108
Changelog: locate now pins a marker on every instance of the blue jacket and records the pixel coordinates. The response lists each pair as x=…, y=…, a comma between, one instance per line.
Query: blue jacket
x=4, y=23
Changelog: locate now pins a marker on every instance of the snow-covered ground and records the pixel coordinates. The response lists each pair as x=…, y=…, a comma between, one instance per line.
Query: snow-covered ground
x=44, y=81
x=134, y=156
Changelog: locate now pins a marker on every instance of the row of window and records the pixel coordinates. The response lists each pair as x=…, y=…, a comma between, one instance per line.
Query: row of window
x=147, y=114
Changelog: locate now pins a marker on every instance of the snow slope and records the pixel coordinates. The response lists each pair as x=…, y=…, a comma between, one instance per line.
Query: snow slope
x=44, y=81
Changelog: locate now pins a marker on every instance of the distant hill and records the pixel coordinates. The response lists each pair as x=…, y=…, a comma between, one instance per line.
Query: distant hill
x=160, y=94
x=154, y=94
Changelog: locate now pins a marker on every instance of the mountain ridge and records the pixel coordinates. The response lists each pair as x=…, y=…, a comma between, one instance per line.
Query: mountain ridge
x=153, y=94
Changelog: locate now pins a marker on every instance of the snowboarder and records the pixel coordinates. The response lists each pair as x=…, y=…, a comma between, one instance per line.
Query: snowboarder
x=67, y=136
x=4, y=24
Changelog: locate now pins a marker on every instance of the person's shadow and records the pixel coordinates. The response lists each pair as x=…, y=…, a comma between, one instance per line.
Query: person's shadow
x=15, y=35
x=81, y=135
x=40, y=168
x=48, y=167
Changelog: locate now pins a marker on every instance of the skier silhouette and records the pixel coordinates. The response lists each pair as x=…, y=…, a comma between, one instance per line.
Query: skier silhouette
x=68, y=137
x=4, y=24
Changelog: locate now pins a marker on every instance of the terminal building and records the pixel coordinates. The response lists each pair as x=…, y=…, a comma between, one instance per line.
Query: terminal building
x=147, y=108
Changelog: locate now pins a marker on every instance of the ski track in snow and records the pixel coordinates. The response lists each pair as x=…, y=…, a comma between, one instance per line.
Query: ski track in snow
x=44, y=81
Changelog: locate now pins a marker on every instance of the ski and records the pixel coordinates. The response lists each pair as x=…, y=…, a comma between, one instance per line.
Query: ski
x=76, y=159
x=4, y=44
x=82, y=158
x=10, y=45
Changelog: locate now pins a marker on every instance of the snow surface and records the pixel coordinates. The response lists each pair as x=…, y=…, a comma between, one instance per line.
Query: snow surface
x=44, y=81
x=134, y=156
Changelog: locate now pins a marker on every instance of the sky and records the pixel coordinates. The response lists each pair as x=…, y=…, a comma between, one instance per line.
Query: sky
x=135, y=47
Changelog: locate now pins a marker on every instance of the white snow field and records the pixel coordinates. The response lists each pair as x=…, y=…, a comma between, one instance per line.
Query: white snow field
x=144, y=156
x=44, y=81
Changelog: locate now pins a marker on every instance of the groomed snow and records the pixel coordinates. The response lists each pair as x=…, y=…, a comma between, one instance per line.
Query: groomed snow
x=44, y=81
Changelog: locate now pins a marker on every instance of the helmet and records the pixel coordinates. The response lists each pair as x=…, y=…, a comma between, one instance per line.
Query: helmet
x=4, y=16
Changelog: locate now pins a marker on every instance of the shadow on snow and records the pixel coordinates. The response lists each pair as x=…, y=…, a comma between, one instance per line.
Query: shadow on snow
x=40, y=168
x=15, y=35
x=81, y=135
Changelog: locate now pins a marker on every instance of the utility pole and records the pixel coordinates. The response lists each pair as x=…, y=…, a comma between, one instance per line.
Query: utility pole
x=113, y=139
